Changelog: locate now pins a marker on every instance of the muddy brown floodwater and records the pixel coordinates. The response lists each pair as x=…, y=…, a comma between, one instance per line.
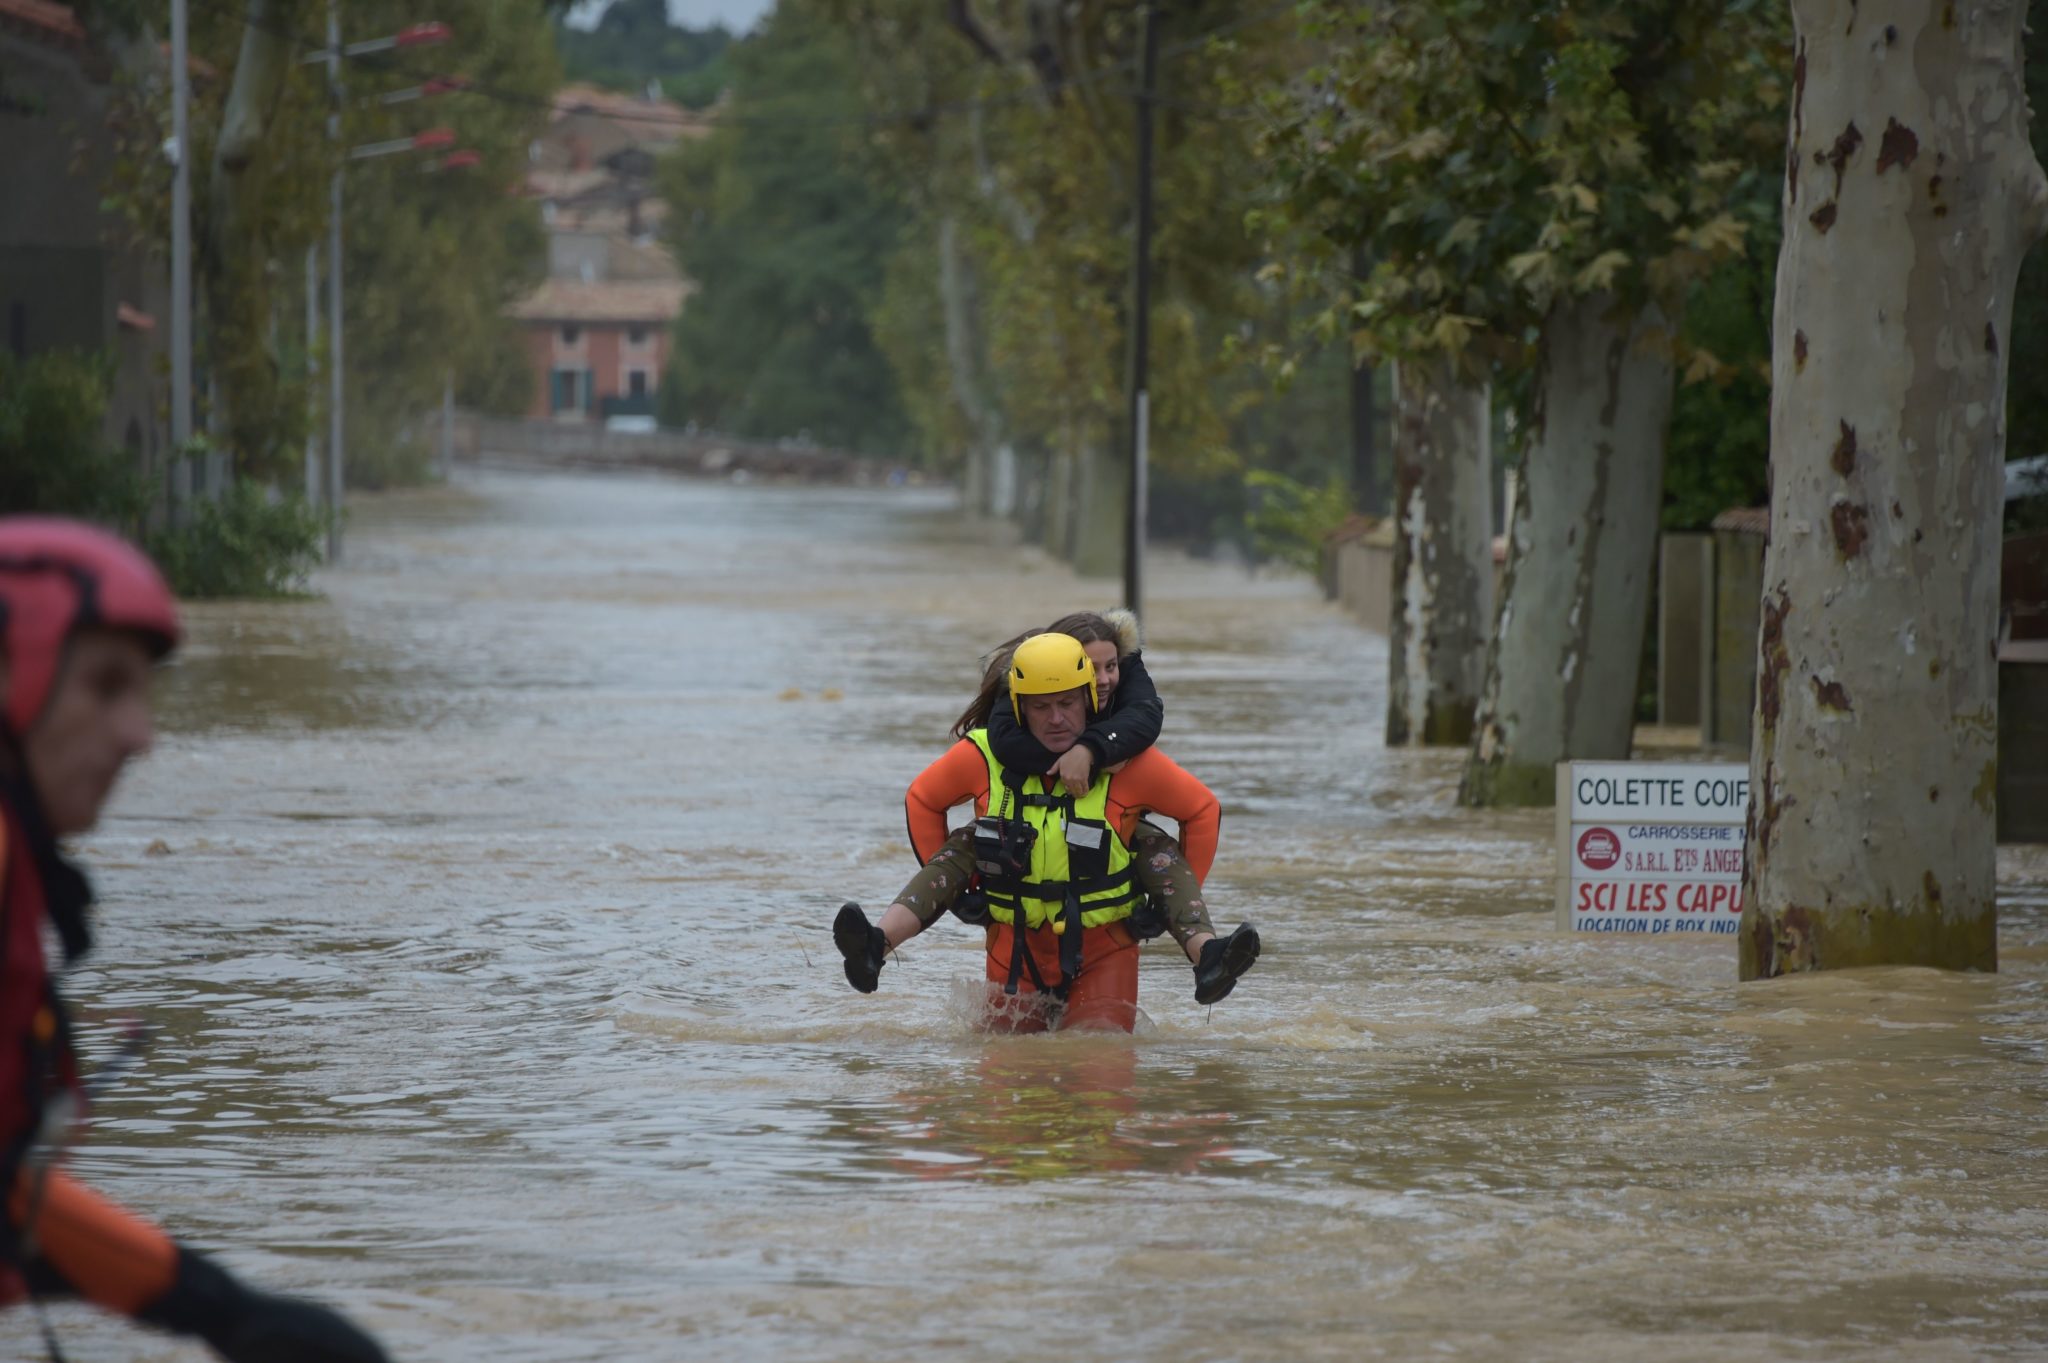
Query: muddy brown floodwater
x=481, y=912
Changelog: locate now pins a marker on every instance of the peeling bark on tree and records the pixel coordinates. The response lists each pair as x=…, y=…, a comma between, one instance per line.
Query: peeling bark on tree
x=1443, y=554
x=1009, y=209
x=226, y=260
x=1085, y=498
x=261, y=66
x=963, y=361
x=1561, y=670
x=1368, y=488
x=1873, y=764
x=1057, y=535
x=1101, y=502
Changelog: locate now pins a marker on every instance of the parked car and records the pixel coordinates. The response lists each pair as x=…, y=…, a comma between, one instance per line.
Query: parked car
x=631, y=423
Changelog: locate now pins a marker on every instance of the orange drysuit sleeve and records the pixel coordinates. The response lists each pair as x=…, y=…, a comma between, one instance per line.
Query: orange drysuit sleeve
x=959, y=776
x=109, y=1255
x=1154, y=782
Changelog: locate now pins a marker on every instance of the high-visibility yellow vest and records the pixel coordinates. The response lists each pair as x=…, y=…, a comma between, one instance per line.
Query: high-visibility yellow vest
x=1071, y=833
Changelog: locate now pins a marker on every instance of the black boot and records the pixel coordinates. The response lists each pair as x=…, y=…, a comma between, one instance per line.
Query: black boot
x=1223, y=960
x=864, y=947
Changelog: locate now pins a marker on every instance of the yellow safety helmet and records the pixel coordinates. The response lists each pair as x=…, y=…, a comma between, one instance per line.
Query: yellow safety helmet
x=1046, y=664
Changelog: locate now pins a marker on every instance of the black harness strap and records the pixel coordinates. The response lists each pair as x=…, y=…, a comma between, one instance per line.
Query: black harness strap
x=1022, y=959
x=1057, y=891
x=1070, y=939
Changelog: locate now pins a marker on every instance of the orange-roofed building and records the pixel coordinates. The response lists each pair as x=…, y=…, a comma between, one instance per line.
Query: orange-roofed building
x=598, y=348
x=597, y=329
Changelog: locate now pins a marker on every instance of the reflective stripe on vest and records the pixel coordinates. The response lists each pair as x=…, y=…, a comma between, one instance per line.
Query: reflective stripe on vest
x=1104, y=899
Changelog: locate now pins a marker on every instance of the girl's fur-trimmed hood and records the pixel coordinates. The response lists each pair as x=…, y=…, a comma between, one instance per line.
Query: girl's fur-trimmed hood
x=1129, y=638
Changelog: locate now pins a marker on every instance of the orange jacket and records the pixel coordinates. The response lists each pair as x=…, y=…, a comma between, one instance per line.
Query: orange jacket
x=1151, y=782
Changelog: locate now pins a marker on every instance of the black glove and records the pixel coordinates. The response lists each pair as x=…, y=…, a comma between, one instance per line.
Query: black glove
x=245, y=1326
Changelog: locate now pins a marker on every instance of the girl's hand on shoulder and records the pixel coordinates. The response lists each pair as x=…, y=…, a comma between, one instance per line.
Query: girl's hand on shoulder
x=1075, y=769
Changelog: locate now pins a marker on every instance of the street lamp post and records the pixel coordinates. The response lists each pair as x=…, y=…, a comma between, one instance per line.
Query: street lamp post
x=1141, y=327
x=417, y=35
x=181, y=242
x=336, y=454
x=312, y=368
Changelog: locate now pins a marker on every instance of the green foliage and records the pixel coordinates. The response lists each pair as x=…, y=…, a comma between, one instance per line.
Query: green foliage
x=1492, y=162
x=54, y=458
x=634, y=43
x=433, y=260
x=1032, y=163
x=246, y=227
x=701, y=88
x=115, y=18
x=244, y=545
x=2026, y=401
x=430, y=260
x=787, y=228
x=1719, y=451
x=1290, y=520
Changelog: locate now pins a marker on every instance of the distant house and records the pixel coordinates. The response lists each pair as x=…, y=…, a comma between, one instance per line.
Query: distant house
x=64, y=283
x=598, y=347
x=597, y=329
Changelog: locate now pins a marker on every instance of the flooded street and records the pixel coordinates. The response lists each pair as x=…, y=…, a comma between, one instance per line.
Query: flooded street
x=481, y=912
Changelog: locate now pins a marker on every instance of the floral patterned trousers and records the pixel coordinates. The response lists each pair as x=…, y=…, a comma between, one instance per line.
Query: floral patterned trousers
x=1157, y=866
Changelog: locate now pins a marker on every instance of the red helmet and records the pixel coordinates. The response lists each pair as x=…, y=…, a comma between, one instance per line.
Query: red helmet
x=58, y=577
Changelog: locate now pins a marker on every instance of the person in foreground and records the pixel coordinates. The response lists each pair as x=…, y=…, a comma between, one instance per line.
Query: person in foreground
x=1055, y=869
x=1128, y=717
x=84, y=618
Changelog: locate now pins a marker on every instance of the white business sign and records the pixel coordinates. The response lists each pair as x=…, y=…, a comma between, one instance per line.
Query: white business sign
x=1651, y=847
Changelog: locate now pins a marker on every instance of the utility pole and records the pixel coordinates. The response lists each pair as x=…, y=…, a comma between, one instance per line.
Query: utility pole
x=335, y=449
x=415, y=36
x=312, y=370
x=1141, y=326
x=181, y=242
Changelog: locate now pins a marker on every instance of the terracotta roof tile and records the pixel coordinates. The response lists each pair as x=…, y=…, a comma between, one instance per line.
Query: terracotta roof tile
x=603, y=300
x=649, y=120
x=54, y=21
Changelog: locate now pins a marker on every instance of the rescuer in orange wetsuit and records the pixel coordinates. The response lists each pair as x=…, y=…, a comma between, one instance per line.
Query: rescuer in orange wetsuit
x=1055, y=865
x=83, y=620
x=1129, y=713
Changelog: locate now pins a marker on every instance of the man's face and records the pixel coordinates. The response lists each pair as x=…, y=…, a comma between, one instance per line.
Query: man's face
x=97, y=717
x=1056, y=720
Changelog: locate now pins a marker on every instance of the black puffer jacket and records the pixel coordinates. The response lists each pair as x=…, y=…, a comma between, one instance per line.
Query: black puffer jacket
x=1130, y=725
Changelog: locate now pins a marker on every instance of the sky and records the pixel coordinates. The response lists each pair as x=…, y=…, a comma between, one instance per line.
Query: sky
x=737, y=15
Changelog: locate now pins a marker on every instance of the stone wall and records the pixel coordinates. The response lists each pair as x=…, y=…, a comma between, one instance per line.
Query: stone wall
x=1685, y=580
x=546, y=444
x=1730, y=665
x=1358, y=573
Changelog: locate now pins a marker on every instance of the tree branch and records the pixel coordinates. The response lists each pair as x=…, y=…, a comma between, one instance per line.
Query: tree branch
x=1486, y=93
x=972, y=31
